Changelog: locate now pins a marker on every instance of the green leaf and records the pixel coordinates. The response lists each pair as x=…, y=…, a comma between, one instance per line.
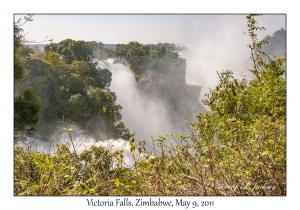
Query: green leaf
x=132, y=146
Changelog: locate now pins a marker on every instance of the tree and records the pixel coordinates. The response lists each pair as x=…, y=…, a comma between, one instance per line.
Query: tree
x=135, y=53
x=26, y=104
x=26, y=110
x=69, y=83
x=72, y=50
x=19, y=70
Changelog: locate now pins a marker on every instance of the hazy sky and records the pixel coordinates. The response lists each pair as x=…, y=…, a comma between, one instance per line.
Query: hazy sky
x=114, y=29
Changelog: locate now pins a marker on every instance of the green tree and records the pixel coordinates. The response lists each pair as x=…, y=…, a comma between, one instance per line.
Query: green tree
x=26, y=104
x=26, y=110
x=135, y=53
x=68, y=83
x=103, y=104
x=72, y=50
x=78, y=107
x=19, y=70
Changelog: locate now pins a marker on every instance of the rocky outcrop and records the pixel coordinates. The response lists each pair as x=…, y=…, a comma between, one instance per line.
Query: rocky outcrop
x=168, y=85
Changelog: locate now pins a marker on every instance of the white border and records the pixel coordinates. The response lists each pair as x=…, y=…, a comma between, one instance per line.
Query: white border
x=188, y=6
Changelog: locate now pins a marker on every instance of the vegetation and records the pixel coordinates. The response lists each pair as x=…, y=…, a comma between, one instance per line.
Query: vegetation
x=146, y=59
x=236, y=148
x=26, y=104
x=160, y=74
x=67, y=81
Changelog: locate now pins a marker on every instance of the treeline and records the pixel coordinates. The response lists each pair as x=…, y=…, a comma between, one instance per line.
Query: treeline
x=171, y=46
x=140, y=57
x=144, y=61
x=63, y=81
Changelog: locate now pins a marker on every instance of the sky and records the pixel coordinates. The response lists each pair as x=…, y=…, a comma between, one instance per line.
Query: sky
x=146, y=29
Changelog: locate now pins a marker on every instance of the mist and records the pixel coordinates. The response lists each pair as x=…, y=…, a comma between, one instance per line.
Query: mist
x=82, y=143
x=215, y=46
x=141, y=114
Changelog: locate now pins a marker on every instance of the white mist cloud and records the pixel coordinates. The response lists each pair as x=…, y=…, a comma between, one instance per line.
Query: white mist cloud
x=146, y=116
x=112, y=145
x=216, y=45
x=83, y=143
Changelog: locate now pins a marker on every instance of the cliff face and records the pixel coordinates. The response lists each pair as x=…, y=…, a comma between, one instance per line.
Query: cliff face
x=167, y=83
x=276, y=44
x=160, y=74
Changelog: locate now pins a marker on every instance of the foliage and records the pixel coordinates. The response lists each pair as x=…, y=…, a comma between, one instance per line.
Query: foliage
x=64, y=172
x=72, y=50
x=68, y=83
x=144, y=59
x=135, y=53
x=19, y=70
x=26, y=104
x=237, y=148
x=27, y=107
